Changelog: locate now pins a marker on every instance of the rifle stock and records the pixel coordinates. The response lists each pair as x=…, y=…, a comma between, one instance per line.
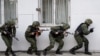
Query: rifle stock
x=16, y=38
x=70, y=33
x=11, y=35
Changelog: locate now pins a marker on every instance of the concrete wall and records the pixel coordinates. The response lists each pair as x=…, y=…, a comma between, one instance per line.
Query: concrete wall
x=80, y=10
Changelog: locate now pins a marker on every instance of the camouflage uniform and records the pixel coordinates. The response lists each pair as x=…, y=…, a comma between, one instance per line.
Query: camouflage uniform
x=80, y=38
x=31, y=38
x=53, y=37
x=8, y=31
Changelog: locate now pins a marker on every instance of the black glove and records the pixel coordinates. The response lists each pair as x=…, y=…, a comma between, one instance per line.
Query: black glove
x=92, y=29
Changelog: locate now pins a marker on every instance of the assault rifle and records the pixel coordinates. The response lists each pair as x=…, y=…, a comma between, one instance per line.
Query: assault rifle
x=43, y=30
x=8, y=33
x=38, y=31
x=15, y=38
x=69, y=33
x=11, y=35
x=66, y=33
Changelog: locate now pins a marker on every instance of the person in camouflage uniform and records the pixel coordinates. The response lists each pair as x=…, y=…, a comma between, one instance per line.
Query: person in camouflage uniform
x=30, y=34
x=8, y=31
x=80, y=38
x=56, y=35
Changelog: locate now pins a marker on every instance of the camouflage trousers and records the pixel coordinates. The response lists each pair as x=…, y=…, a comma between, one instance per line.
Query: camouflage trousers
x=8, y=42
x=80, y=41
x=57, y=39
x=32, y=42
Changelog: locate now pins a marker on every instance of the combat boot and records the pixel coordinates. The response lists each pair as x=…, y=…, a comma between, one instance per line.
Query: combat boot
x=29, y=51
x=37, y=53
x=86, y=50
x=88, y=53
x=6, y=54
x=58, y=51
x=45, y=52
x=72, y=51
x=13, y=54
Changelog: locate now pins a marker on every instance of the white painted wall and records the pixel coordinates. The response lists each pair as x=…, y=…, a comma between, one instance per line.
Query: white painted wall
x=80, y=10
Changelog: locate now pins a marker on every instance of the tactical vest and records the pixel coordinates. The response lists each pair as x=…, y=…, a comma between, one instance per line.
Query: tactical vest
x=32, y=29
x=79, y=29
x=61, y=30
x=8, y=30
x=35, y=30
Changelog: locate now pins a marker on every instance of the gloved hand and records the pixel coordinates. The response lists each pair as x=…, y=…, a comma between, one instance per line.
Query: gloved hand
x=4, y=32
x=92, y=29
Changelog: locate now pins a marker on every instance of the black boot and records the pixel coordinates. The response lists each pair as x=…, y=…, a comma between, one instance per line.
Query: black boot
x=13, y=54
x=86, y=49
x=45, y=52
x=72, y=51
x=88, y=53
x=37, y=53
x=6, y=54
x=29, y=51
x=58, y=51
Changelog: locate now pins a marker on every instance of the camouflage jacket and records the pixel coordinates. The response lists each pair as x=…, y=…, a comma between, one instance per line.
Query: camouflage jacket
x=31, y=29
x=58, y=29
x=82, y=29
x=10, y=30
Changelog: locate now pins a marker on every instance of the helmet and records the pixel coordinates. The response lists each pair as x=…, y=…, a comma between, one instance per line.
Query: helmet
x=65, y=26
x=35, y=23
x=6, y=23
x=10, y=22
x=88, y=21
